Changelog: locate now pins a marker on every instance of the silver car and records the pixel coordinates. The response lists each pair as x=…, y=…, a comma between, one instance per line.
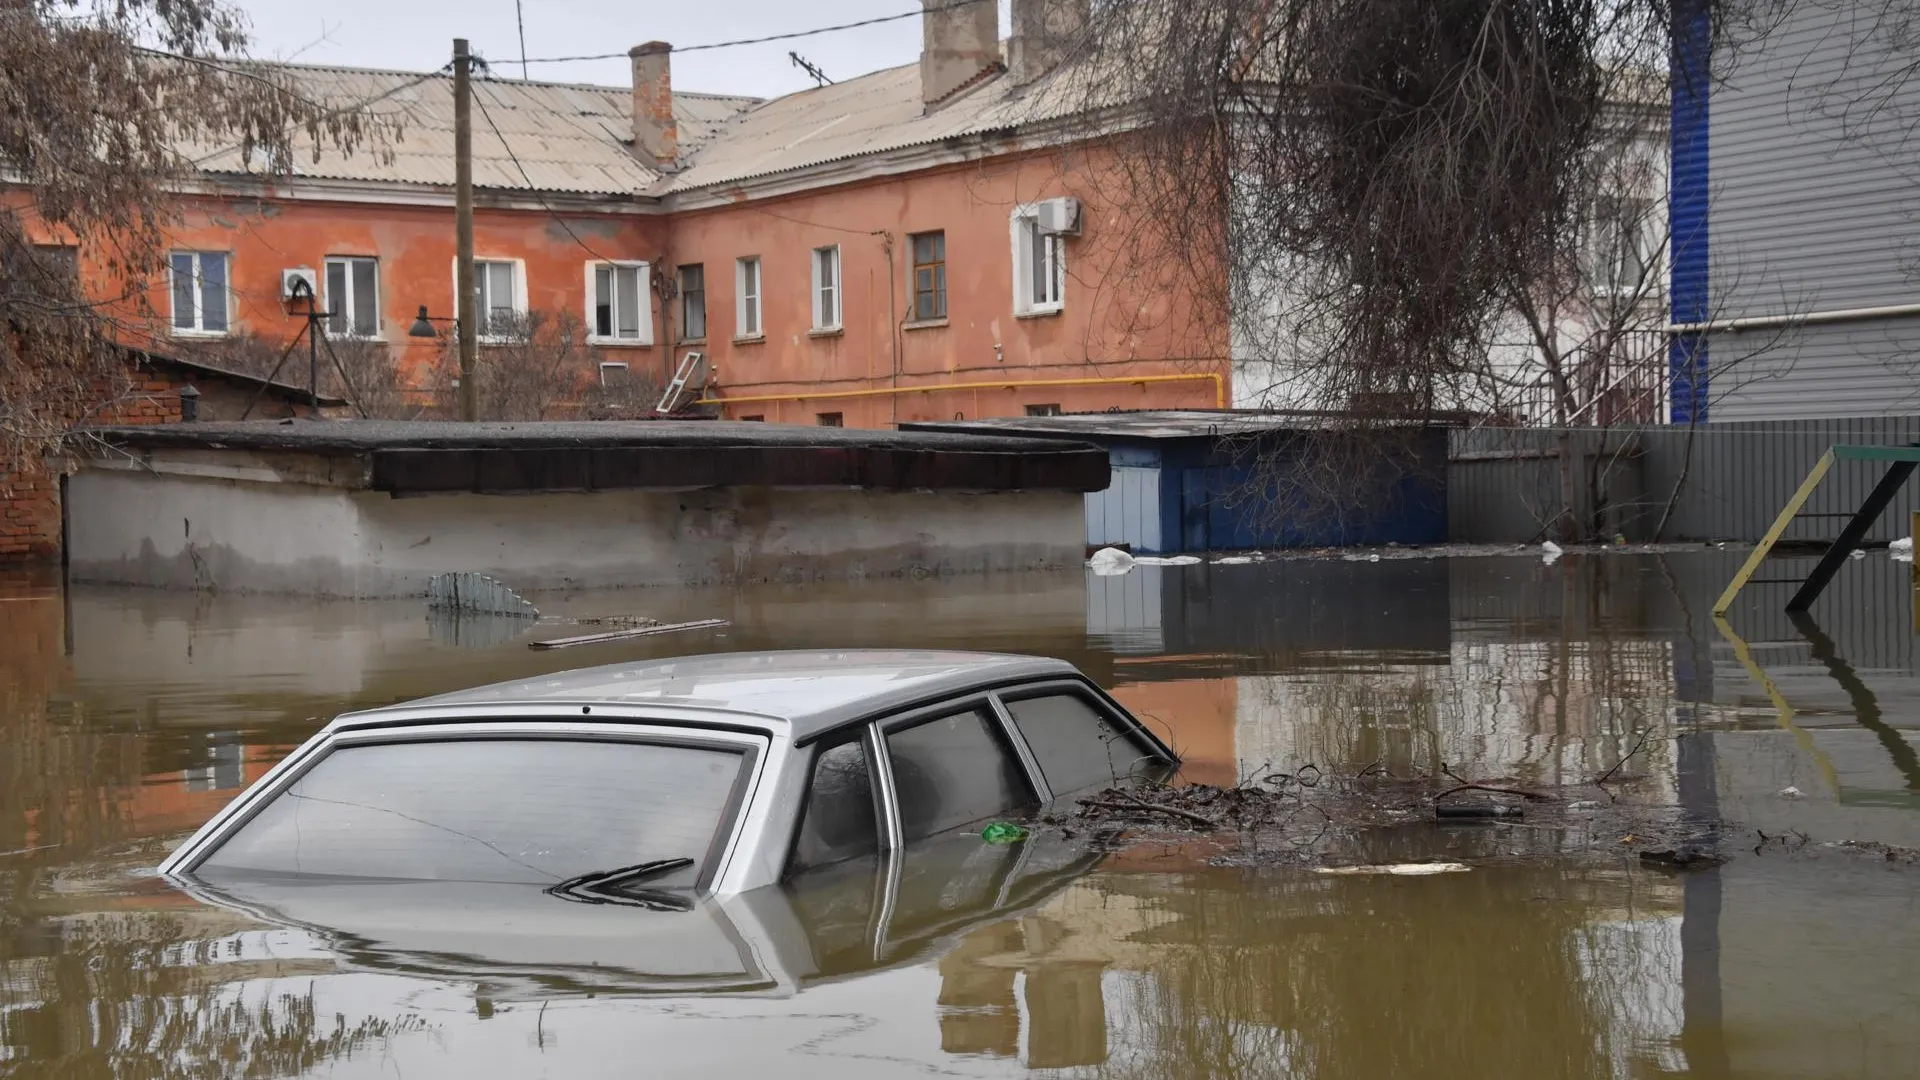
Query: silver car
x=647, y=784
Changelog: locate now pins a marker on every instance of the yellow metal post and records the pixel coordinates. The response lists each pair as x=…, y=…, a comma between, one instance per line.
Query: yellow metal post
x=1787, y=514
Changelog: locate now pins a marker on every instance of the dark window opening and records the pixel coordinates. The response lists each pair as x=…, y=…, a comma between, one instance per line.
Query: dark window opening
x=693, y=303
x=929, y=276
x=1052, y=409
x=830, y=419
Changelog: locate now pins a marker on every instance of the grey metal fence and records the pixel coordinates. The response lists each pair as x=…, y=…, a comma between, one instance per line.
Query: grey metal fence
x=1725, y=481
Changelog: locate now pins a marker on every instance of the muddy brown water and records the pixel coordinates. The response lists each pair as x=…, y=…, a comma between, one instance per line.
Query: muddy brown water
x=127, y=717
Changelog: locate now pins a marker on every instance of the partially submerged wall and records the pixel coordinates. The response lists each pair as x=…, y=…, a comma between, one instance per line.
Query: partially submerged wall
x=369, y=510
x=195, y=532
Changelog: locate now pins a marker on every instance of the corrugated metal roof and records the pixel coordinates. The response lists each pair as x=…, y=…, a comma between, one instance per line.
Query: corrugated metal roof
x=567, y=137
x=866, y=115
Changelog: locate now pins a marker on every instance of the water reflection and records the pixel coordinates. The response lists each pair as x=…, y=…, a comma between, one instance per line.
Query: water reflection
x=128, y=717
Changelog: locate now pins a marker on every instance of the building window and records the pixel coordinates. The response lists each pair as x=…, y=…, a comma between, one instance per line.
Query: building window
x=757, y=418
x=830, y=419
x=693, y=303
x=199, y=289
x=500, y=295
x=1039, y=265
x=617, y=307
x=929, y=276
x=826, y=288
x=746, y=284
x=1052, y=409
x=353, y=296
x=1623, y=257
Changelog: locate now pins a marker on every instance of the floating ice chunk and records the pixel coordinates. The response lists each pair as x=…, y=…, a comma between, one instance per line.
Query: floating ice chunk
x=1901, y=549
x=1110, y=562
x=1550, y=552
x=1166, y=560
x=1234, y=560
x=1791, y=793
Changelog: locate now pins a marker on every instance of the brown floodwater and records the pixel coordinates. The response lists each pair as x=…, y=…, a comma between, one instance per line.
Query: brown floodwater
x=128, y=716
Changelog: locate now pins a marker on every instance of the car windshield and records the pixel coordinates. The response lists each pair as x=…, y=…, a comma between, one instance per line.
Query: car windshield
x=534, y=811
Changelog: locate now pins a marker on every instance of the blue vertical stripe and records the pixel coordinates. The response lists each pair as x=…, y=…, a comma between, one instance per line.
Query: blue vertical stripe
x=1692, y=77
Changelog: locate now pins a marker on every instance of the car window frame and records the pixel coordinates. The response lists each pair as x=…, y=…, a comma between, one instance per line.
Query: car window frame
x=982, y=700
x=870, y=747
x=720, y=851
x=1110, y=710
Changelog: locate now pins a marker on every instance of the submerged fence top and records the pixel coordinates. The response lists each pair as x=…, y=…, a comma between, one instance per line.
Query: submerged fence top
x=442, y=456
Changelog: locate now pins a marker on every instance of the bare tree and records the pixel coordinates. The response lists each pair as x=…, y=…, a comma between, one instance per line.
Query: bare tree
x=102, y=106
x=539, y=366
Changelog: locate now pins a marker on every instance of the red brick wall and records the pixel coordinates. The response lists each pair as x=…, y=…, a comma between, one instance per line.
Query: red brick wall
x=30, y=497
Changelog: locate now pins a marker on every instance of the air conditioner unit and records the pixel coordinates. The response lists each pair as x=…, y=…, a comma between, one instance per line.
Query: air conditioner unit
x=1059, y=217
x=298, y=282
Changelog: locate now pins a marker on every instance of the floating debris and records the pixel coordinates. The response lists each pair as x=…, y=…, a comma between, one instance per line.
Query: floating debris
x=1418, y=869
x=622, y=635
x=1003, y=832
x=476, y=593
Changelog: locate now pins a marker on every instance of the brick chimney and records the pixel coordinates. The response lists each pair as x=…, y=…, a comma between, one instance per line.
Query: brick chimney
x=1045, y=33
x=960, y=42
x=656, y=135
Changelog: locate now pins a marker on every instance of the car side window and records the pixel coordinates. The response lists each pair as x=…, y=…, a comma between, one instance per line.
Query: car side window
x=838, y=821
x=954, y=771
x=1075, y=744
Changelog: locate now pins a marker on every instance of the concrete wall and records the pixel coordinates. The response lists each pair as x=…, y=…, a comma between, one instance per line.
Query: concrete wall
x=187, y=531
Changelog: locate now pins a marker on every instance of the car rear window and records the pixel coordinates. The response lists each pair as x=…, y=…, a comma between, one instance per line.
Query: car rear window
x=496, y=810
x=1076, y=746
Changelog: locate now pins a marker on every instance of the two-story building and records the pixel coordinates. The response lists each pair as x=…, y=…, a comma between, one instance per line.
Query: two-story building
x=924, y=242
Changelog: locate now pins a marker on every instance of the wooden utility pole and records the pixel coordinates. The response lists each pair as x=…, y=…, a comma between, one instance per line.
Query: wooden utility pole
x=466, y=318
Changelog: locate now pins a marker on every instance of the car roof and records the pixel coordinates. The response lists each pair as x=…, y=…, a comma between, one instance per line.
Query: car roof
x=814, y=691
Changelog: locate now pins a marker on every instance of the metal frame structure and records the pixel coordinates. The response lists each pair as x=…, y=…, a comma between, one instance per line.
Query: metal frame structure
x=1901, y=462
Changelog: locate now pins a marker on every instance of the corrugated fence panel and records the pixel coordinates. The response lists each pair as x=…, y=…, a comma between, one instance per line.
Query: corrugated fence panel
x=1732, y=479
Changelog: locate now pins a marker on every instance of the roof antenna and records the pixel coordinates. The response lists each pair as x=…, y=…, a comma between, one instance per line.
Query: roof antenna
x=521, y=22
x=819, y=77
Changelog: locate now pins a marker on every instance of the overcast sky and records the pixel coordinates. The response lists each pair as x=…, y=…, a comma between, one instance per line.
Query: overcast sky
x=417, y=35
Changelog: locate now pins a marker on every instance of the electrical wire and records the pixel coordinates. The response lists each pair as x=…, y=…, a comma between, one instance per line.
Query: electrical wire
x=531, y=186
x=954, y=5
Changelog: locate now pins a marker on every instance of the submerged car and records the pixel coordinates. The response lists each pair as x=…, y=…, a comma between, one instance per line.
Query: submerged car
x=654, y=784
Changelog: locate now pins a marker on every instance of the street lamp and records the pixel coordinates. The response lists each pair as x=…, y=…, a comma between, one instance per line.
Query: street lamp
x=423, y=324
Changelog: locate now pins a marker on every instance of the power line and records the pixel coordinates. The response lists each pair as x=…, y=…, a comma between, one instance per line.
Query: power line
x=954, y=5
x=531, y=186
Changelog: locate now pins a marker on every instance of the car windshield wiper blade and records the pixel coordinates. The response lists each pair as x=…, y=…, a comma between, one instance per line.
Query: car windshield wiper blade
x=610, y=886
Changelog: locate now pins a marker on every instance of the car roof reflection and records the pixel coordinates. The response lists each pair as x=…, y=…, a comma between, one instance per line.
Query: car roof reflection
x=522, y=943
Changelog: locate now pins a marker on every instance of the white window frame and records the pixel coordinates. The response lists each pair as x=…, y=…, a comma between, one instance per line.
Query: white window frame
x=829, y=297
x=327, y=299
x=199, y=316
x=747, y=304
x=643, y=325
x=519, y=295
x=1025, y=232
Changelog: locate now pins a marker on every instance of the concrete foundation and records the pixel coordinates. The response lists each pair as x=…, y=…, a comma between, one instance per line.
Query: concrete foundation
x=233, y=518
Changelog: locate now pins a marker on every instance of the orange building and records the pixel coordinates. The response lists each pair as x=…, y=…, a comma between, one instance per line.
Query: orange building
x=924, y=242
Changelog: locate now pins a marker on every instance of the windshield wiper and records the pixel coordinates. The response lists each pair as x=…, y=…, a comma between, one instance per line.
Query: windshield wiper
x=613, y=887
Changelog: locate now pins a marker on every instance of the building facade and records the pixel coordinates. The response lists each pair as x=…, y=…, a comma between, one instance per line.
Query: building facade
x=923, y=242
x=1793, y=216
